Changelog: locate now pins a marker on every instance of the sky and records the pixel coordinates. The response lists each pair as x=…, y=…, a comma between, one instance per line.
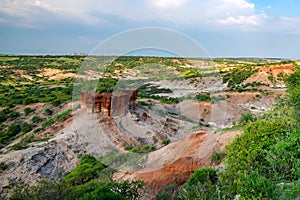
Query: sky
x=224, y=28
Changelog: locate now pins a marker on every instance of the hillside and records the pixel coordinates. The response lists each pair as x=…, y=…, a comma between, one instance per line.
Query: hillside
x=182, y=115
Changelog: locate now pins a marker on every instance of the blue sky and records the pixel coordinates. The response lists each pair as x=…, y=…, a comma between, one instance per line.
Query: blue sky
x=225, y=28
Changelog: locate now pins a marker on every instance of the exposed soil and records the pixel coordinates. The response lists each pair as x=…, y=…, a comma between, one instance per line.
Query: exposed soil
x=22, y=74
x=177, y=161
x=56, y=74
x=264, y=72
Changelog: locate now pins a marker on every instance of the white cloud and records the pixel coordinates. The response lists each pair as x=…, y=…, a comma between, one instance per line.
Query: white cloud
x=216, y=14
x=240, y=3
x=168, y=3
x=253, y=20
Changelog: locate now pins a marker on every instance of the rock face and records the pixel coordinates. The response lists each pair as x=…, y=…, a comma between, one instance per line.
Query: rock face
x=109, y=104
x=50, y=160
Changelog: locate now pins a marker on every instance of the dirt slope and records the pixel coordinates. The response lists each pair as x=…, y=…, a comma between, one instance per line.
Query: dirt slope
x=177, y=161
x=264, y=74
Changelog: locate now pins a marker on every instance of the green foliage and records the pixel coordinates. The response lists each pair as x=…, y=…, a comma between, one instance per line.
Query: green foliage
x=266, y=155
x=237, y=75
x=11, y=133
x=283, y=157
x=13, y=130
x=146, y=91
x=152, y=92
x=167, y=193
x=203, y=97
x=27, y=111
x=203, y=175
x=83, y=182
x=215, y=99
x=27, y=94
x=87, y=170
x=271, y=78
x=251, y=158
x=247, y=118
x=148, y=148
x=24, y=143
x=106, y=85
x=133, y=160
x=217, y=157
x=293, y=82
x=25, y=127
x=200, y=185
x=48, y=111
x=59, y=117
x=46, y=189
x=166, y=100
x=166, y=141
x=3, y=166
x=256, y=186
x=36, y=119
x=7, y=114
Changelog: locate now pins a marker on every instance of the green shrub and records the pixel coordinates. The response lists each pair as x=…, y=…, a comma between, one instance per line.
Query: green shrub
x=238, y=75
x=48, y=111
x=25, y=128
x=134, y=150
x=203, y=97
x=148, y=148
x=256, y=186
x=83, y=182
x=168, y=193
x=59, y=117
x=203, y=175
x=3, y=166
x=166, y=141
x=87, y=170
x=247, y=118
x=217, y=157
x=200, y=185
x=13, y=130
x=106, y=85
x=36, y=119
x=27, y=111
x=257, y=160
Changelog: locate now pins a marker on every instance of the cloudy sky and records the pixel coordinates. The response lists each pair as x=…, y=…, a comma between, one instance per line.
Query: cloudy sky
x=225, y=28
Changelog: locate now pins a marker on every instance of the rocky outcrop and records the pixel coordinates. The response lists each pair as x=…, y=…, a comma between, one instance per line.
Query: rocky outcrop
x=49, y=160
x=109, y=104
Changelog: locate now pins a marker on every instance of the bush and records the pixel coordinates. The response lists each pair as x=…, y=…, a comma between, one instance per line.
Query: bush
x=257, y=160
x=167, y=193
x=88, y=169
x=25, y=128
x=48, y=111
x=13, y=130
x=59, y=117
x=148, y=148
x=94, y=188
x=27, y=111
x=200, y=185
x=217, y=157
x=204, y=97
x=203, y=175
x=166, y=141
x=36, y=119
x=2, y=166
x=246, y=118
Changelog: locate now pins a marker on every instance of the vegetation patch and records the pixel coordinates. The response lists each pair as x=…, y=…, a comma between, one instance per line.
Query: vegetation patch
x=237, y=75
x=89, y=180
